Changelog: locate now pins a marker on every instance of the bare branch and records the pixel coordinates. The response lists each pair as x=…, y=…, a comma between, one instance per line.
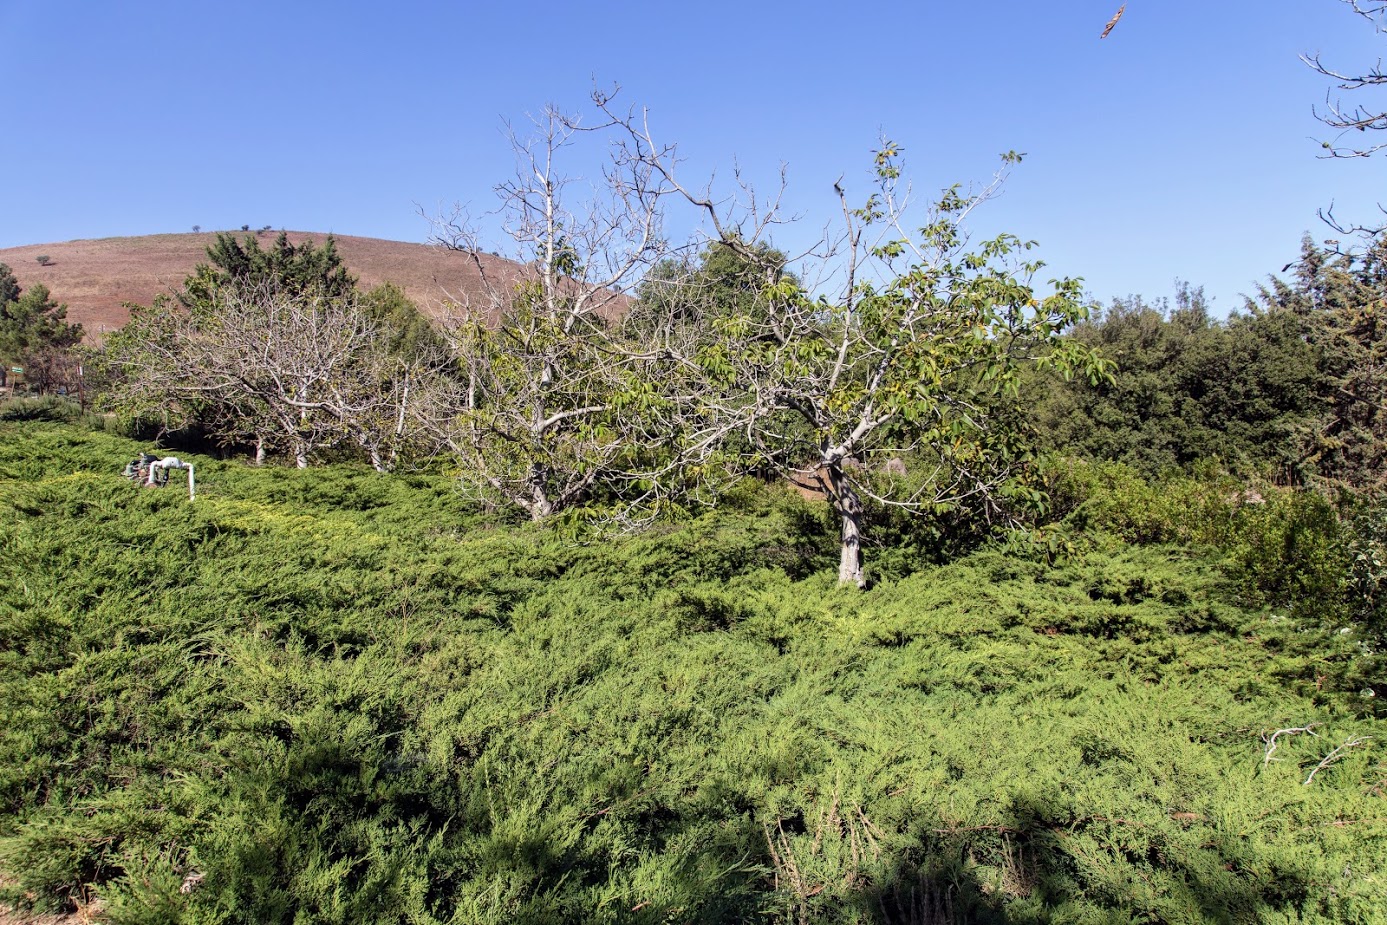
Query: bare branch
x=1272, y=743
x=1113, y=22
x=1337, y=754
x=1352, y=122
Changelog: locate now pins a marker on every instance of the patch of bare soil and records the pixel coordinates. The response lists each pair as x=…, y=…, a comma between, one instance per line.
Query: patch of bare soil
x=9, y=916
x=84, y=915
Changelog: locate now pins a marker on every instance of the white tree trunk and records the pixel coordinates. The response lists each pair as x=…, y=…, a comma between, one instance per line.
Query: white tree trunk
x=540, y=506
x=848, y=506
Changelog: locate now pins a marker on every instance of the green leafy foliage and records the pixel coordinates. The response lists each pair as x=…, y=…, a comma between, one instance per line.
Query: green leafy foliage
x=1292, y=390
x=334, y=696
x=1366, y=551
x=1284, y=548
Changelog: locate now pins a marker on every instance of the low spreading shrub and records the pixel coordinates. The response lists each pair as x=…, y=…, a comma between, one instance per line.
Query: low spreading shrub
x=1366, y=551
x=40, y=408
x=1287, y=549
x=336, y=696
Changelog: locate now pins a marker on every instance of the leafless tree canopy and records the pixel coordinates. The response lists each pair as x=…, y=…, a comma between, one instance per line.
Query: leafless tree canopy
x=1353, y=120
x=288, y=372
x=552, y=402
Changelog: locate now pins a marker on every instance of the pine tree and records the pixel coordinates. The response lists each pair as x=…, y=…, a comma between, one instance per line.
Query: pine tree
x=296, y=270
x=34, y=333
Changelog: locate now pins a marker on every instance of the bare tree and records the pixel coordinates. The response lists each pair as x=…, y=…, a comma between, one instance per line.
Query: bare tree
x=291, y=372
x=537, y=414
x=386, y=407
x=145, y=376
x=1352, y=122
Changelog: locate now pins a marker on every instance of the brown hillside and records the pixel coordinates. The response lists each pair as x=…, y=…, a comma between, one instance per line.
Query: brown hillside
x=96, y=277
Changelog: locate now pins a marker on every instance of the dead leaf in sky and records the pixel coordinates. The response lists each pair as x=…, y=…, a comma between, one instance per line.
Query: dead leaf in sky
x=1112, y=22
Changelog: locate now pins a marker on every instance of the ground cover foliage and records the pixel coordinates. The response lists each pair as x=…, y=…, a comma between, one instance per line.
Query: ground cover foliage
x=336, y=696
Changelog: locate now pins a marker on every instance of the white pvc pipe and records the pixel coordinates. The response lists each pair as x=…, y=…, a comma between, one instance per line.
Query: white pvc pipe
x=173, y=462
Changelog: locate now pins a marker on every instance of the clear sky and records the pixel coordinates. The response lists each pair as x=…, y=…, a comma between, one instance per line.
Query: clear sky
x=1183, y=146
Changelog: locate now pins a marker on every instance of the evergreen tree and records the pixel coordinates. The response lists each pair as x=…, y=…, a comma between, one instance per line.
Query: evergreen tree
x=721, y=282
x=410, y=332
x=9, y=286
x=34, y=333
x=294, y=269
x=1338, y=302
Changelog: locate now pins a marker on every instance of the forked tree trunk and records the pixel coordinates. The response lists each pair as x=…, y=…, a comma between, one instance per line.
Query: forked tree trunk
x=848, y=506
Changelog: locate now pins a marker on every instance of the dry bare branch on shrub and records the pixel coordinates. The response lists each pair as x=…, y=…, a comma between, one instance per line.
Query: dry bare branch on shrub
x=1337, y=754
x=1272, y=744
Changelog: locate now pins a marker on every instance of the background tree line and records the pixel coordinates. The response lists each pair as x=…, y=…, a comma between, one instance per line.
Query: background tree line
x=1292, y=388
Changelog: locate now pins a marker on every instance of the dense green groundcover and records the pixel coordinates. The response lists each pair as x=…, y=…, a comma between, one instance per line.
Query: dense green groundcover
x=333, y=696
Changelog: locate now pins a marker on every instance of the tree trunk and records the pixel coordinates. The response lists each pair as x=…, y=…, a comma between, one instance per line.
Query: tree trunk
x=540, y=505
x=848, y=506
x=301, y=445
x=260, y=451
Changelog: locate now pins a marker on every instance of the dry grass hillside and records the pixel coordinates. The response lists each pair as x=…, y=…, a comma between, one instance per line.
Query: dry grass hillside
x=96, y=278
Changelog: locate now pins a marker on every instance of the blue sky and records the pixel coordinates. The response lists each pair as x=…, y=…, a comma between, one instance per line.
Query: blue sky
x=1183, y=146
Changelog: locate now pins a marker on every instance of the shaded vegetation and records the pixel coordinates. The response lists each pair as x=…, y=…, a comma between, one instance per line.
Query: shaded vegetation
x=336, y=696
